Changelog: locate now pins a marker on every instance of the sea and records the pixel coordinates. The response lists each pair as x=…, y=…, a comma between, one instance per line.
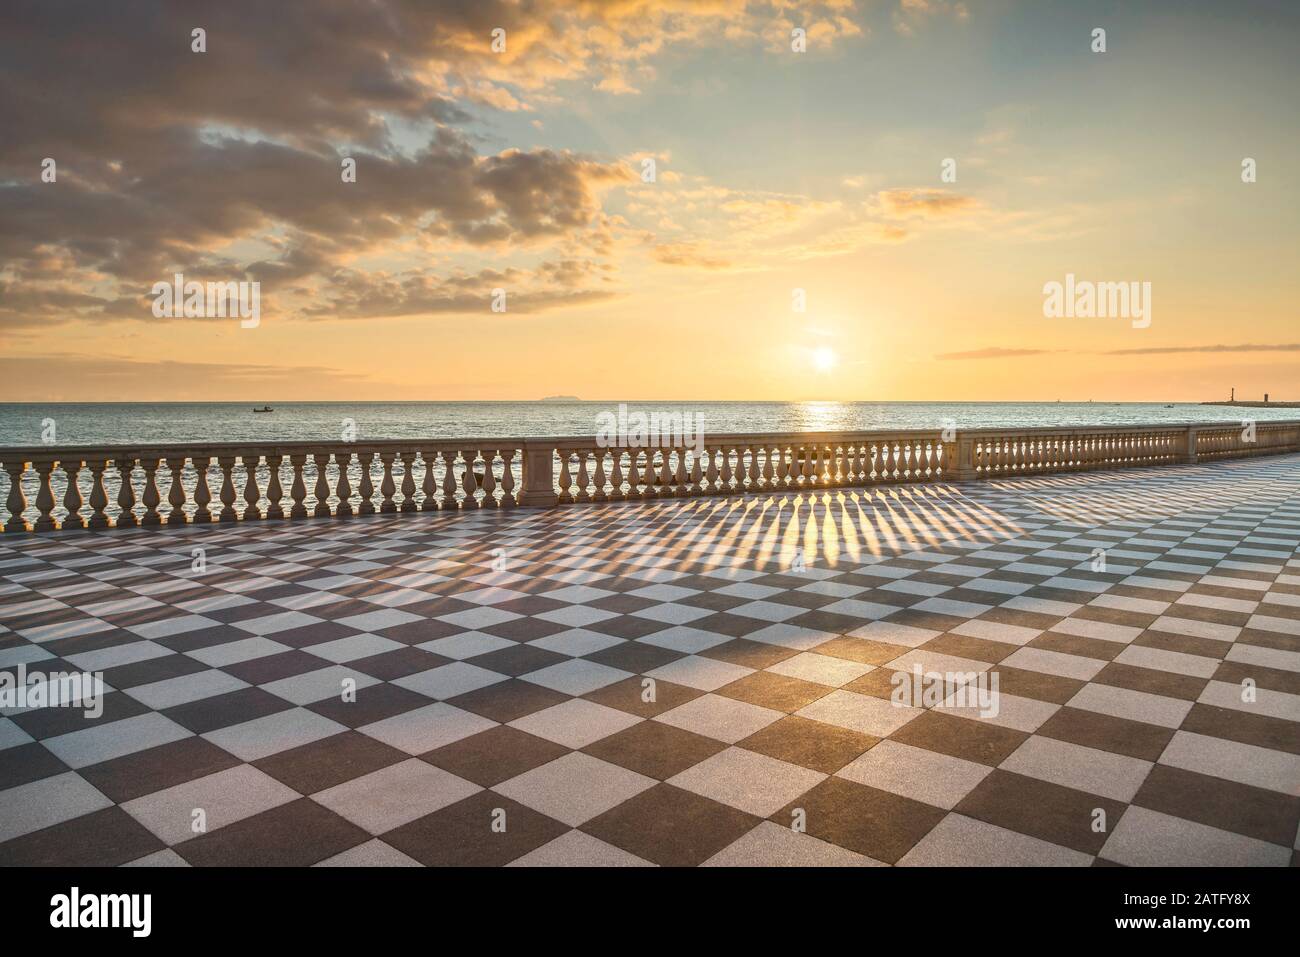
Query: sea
x=114, y=423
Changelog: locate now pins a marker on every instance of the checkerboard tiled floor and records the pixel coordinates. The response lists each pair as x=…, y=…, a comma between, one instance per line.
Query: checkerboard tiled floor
x=501, y=713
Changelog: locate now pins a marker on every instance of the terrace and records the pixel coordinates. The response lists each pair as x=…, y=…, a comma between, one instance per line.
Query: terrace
x=703, y=675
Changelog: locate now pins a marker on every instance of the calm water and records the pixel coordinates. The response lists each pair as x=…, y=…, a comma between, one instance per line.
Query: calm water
x=112, y=423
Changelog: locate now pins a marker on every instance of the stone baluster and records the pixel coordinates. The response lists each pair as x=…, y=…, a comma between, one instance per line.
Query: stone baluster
x=648, y=477
x=322, y=489
x=273, y=490
x=227, y=494
x=176, y=491
x=598, y=477
x=44, y=496
x=72, y=500
x=343, y=489
x=468, y=480
x=724, y=474
x=616, y=474
x=583, y=479
x=98, y=495
x=151, y=498
x=564, y=480
x=252, y=491
x=449, y=479
x=665, y=474
x=386, y=486
x=430, y=484
x=507, y=478
x=16, y=503
x=126, y=498
x=680, y=476
x=366, y=489
x=202, y=494
x=408, y=481
x=298, y=490
x=489, y=483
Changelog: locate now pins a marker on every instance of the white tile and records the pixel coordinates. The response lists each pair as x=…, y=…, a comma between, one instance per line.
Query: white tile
x=223, y=798
x=1234, y=761
x=960, y=841
x=395, y=795
x=754, y=783
x=311, y=686
x=575, y=723
x=704, y=674
x=723, y=719
x=575, y=787
x=917, y=773
x=353, y=647
x=771, y=845
x=422, y=730
x=103, y=742
x=1146, y=838
x=193, y=687
x=273, y=733
x=576, y=849
x=576, y=676
x=864, y=713
x=448, y=681
x=822, y=669
x=49, y=801
x=1115, y=776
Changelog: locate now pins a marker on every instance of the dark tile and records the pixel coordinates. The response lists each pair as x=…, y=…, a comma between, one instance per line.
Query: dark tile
x=881, y=825
x=373, y=703
x=103, y=839
x=809, y=744
x=516, y=661
x=630, y=695
x=1107, y=733
x=463, y=834
x=634, y=656
x=322, y=764
x=296, y=834
x=223, y=710
x=507, y=700
x=670, y=827
x=978, y=741
x=654, y=749
x=778, y=692
x=1227, y=805
x=156, y=769
x=287, y=664
x=494, y=755
x=1047, y=811
x=26, y=763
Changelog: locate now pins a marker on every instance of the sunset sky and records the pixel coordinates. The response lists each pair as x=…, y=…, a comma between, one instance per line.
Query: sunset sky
x=522, y=170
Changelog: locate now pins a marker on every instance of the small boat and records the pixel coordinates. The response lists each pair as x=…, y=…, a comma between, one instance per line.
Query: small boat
x=265, y=408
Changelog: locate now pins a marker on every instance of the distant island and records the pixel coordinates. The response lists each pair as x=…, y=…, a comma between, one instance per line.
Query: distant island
x=560, y=398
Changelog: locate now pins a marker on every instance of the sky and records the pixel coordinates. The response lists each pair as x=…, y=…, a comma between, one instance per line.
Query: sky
x=849, y=199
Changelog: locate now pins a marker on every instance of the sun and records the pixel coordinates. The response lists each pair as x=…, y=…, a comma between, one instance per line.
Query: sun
x=824, y=359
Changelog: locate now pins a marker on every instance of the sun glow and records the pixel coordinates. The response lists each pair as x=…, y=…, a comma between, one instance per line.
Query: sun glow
x=824, y=359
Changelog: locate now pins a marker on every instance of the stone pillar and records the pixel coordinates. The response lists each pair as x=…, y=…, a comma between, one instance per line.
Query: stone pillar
x=961, y=459
x=1188, y=451
x=538, y=489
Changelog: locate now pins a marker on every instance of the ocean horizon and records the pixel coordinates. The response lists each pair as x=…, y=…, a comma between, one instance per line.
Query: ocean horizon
x=111, y=423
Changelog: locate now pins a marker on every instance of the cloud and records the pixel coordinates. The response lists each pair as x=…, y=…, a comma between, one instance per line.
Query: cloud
x=992, y=352
x=45, y=378
x=1170, y=350
x=927, y=203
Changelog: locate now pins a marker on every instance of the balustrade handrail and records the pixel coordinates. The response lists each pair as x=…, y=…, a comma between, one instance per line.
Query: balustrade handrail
x=301, y=479
x=9, y=453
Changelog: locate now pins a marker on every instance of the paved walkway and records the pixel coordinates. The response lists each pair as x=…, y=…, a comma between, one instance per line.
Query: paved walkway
x=669, y=683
